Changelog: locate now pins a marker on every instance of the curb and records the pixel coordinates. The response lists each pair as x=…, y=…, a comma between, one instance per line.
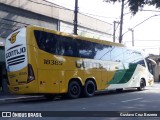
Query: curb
x=11, y=99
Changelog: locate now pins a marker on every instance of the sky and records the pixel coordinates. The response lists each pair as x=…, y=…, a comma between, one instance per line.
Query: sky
x=146, y=34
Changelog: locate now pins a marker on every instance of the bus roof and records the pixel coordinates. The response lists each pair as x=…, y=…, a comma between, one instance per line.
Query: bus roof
x=76, y=36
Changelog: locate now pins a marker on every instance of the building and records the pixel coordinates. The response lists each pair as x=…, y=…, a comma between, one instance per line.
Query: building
x=157, y=67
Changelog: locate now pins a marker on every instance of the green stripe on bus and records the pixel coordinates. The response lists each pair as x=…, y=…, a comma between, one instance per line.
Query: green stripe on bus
x=123, y=75
x=128, y=73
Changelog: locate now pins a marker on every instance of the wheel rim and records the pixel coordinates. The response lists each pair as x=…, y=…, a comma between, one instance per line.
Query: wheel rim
x=75, y=90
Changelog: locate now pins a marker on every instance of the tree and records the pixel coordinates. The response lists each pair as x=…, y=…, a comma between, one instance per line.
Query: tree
x=135, y=5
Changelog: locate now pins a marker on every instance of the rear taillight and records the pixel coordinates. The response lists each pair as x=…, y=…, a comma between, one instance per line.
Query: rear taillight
x=31, y=76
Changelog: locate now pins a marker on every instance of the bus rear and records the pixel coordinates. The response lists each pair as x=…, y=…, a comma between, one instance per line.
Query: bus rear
x=19, y=70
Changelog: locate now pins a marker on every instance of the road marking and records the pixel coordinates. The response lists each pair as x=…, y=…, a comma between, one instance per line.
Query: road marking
x=132, y=100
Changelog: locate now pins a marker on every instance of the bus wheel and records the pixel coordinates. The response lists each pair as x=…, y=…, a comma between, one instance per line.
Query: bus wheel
x=50, y=96
x=142, y=85
x=74, y=89
x=89, y=89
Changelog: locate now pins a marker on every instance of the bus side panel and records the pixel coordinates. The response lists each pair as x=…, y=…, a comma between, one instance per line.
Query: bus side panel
x=109, y=71
x=48, y=81
x=133, y=79
x=48, y=67
x=32, y=60
x=106, y=77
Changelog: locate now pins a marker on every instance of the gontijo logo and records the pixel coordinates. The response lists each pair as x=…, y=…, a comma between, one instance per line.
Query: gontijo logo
x=13, y=37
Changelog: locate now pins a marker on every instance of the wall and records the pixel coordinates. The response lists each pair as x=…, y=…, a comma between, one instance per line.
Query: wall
x=62, y=14
x=12, y=18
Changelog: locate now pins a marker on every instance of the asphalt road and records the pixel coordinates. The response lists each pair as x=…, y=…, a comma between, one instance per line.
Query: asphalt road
x=101, y=105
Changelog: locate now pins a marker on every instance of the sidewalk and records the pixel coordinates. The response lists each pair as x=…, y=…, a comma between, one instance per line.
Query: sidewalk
x=8, y=97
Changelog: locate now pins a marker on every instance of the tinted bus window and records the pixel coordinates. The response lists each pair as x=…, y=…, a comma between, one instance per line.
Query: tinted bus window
x=85, y=49
x=55, y=44
x=47, y=41
x=102, y=52
x=67, y=46
x=117, y=54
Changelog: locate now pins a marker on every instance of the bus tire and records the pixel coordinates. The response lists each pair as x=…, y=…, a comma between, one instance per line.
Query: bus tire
x=142, y=85
x=89, y=89
x=74, y=89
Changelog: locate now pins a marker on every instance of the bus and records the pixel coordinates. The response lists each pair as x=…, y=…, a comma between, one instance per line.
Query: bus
x=48, y=62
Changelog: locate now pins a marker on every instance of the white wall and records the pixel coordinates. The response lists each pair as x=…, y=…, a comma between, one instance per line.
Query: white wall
x=61, y=14
x=64, y=27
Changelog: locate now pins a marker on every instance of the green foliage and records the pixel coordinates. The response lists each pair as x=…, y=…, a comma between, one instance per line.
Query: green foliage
x=135, y=5
x=155, y=2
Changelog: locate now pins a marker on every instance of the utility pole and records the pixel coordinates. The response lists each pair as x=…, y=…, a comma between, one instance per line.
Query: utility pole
x=114, y=30
x=132, y=36
x=121, y=22
x=75, y=17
